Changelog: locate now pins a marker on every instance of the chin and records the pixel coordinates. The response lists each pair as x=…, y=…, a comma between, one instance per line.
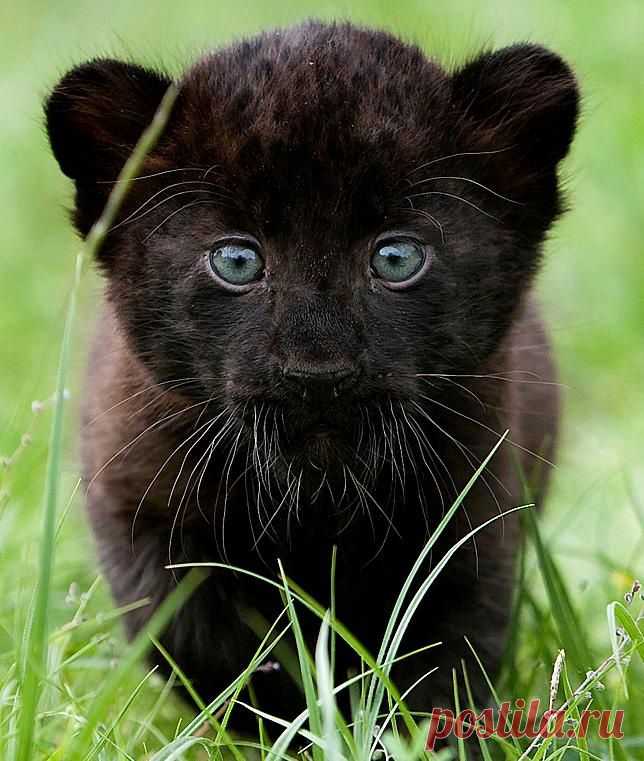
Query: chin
x=315, y=457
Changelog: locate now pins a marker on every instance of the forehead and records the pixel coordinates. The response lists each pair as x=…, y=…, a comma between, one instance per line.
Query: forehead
x=323, y=118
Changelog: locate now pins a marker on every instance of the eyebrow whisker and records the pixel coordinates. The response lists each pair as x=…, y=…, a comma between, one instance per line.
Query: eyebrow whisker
x=174, y=213
x=131, y=217
x=470, y=180
x=150, y=176
x=459, y=155
x=457, y=198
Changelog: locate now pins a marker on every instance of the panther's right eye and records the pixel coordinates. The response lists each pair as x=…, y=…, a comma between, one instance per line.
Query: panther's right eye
x=236, y=264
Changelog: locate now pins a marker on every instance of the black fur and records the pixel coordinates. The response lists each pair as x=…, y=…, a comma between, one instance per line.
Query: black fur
x=317, y=139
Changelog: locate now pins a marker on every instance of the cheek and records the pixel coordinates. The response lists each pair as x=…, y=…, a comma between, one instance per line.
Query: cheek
x=397, y=329
x=243, y=347
x=215, y=317
x=418, y=331
x=247, y=371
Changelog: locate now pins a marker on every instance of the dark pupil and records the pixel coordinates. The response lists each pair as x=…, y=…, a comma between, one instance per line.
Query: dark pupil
x=237, y=258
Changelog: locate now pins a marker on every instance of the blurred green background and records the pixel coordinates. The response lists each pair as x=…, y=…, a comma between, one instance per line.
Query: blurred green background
x=592, y=284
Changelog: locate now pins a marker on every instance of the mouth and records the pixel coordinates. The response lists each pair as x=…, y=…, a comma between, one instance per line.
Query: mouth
x=318, y=443
x=321, y=430
x=307, y=448
x=301, y=439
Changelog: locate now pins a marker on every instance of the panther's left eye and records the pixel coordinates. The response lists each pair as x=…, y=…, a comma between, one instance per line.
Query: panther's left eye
x=236, y=263
x=398, y=261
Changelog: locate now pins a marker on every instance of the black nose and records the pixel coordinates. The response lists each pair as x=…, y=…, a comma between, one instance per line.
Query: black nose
x=320, y=381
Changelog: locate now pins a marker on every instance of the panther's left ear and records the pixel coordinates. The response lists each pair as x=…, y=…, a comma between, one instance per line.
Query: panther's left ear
x=523, y=98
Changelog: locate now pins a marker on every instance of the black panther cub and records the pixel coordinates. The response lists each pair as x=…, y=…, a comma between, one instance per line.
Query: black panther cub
x=317, y=322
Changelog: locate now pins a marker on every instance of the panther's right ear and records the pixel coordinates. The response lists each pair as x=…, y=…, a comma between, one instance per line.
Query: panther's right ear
x=96, y=114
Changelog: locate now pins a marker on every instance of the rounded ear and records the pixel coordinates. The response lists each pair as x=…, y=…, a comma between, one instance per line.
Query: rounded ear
x=522, y=97
x=96, y=114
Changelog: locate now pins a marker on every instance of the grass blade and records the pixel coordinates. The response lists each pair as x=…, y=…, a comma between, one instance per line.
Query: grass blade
x=37, y=645
x=325, y=692
x=82, y=743
x=37, y=642
x=315, y=719
x=569, y=624
x=375, y=694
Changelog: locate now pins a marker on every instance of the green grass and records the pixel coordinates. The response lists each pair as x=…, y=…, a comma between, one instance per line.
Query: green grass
x=66, y=685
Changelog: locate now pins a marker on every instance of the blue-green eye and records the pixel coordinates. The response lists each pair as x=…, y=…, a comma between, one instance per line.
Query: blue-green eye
x=236, y=263
x=397, y=261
